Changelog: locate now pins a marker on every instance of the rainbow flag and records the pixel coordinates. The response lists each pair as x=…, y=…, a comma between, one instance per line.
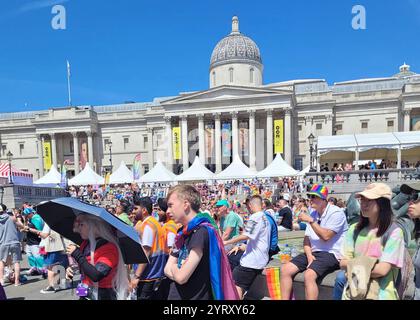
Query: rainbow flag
x=63, y=182
x=272, y=276
x=136, y=166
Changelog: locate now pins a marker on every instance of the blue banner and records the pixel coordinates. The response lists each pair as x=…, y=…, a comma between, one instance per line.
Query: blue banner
x=226, y=140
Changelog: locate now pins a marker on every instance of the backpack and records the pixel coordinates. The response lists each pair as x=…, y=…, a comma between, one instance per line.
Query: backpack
x=402, y=280
x=274, y=236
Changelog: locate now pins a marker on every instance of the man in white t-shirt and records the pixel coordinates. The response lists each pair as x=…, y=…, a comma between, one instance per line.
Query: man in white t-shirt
x=324, y=234
x=257, y=234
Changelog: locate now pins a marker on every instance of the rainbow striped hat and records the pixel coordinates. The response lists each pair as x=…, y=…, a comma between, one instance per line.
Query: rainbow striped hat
x=320, y=191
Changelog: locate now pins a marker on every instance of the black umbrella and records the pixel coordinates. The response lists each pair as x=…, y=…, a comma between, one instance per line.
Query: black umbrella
x=60, y=213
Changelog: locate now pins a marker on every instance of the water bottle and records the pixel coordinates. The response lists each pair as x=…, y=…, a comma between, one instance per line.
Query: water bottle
x=294, y=252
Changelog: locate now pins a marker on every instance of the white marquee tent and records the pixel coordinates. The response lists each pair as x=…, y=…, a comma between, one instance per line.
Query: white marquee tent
x=363, y=142
x=236, y=170
x=86, y=177
x=277, y=168
x=52, y=178
x=159, y=174
x=304, y=171
x=197, y=172
x=121, y=175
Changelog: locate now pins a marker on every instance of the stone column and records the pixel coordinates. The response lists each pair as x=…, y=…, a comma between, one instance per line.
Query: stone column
x=76, y=153
x=90, y=150
x=252, y=154
x=53, y=150
x=406, y=114
x=269, y=136
x=218, y=142
x=184, y=137
x=40, y=154
x=288, y=136
x=235, y=140
x=201, y=141
x=168, y=142
x=150, y=147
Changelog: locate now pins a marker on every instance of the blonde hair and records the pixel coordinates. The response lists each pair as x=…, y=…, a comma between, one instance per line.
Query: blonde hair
x=99, y=228
x=189, y=193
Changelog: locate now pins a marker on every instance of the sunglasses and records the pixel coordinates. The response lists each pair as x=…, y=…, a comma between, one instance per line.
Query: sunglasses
x=311, y=196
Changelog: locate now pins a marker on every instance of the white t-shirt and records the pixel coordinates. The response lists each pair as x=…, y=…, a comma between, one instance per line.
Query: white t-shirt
x=258, y=230
x=147, y=236
x=170, y=239
x=333, y=219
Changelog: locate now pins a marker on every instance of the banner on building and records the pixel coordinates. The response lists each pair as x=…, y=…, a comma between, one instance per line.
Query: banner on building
x=84, y=155
x=278, y=136
x=226, y=140
x=209, y=140
x=136, y=166
x=243, y=139
x=47, y=155
x=415, y=124
x=176, y=142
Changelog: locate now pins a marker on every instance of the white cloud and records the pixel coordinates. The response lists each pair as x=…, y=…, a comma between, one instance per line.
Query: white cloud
x=32, y=6
x=35, y=5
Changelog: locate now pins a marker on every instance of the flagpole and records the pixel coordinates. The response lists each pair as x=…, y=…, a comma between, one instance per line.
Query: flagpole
x=68, y=82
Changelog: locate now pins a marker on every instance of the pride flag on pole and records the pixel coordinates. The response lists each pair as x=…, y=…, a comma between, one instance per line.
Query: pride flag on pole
x=136, y=166
x=63, y=182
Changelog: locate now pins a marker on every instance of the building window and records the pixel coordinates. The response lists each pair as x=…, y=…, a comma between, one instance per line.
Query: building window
x=300, y=127
x=126, y=142
x=146, y=142
x=364, y=125
x=390, y=125
x=106, y=142
x=231, y=75
x=251, y=75
x=21, y=148
x=299, y=163
x=71, y=147
x=146, y=168
x=3, y=149
x=319, y=126
x=338, y=129
x=214, y=78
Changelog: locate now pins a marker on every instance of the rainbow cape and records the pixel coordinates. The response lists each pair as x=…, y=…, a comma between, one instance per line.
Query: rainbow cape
x=222, y=285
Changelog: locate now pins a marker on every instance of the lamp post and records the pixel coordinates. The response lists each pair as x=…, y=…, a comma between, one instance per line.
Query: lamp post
x=1, y=193
x=311, y=151
x=110, y=153
x=9, y=159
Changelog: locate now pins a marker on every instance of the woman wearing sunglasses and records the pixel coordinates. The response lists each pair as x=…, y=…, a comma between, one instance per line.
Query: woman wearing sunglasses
x=414, y=213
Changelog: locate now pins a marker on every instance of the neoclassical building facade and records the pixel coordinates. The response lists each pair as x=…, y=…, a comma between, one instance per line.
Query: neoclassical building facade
x=235, y=116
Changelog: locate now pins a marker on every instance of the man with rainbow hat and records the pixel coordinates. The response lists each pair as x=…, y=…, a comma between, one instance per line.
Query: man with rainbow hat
x=326, y=226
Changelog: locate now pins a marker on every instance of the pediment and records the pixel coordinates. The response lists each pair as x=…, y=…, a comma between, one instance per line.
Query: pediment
x=226, y=93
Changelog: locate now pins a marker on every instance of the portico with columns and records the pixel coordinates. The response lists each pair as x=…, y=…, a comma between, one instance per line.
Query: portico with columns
x=258, y=122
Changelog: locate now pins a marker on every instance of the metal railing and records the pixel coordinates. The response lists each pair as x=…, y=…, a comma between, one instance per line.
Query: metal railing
x=355, y=176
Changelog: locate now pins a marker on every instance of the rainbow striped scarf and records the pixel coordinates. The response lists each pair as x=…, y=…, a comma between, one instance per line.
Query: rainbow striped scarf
x=222, y=285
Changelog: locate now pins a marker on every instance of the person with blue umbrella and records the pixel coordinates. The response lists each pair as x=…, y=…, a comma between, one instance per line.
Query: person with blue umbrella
x=104, y=275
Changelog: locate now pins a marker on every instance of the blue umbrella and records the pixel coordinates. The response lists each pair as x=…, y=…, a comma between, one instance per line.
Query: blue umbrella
x=60, y=213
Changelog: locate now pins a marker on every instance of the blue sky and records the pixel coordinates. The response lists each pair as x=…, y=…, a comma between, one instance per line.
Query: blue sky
x=134, y=50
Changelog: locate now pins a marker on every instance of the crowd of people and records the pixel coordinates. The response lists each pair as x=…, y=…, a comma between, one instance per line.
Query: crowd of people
x=212, y=241
x=340, y=172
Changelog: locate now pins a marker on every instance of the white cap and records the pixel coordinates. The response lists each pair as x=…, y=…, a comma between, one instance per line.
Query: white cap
x=286, y=197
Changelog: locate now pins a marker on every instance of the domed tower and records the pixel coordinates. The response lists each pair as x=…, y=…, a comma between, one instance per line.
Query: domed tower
x=236, y=60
